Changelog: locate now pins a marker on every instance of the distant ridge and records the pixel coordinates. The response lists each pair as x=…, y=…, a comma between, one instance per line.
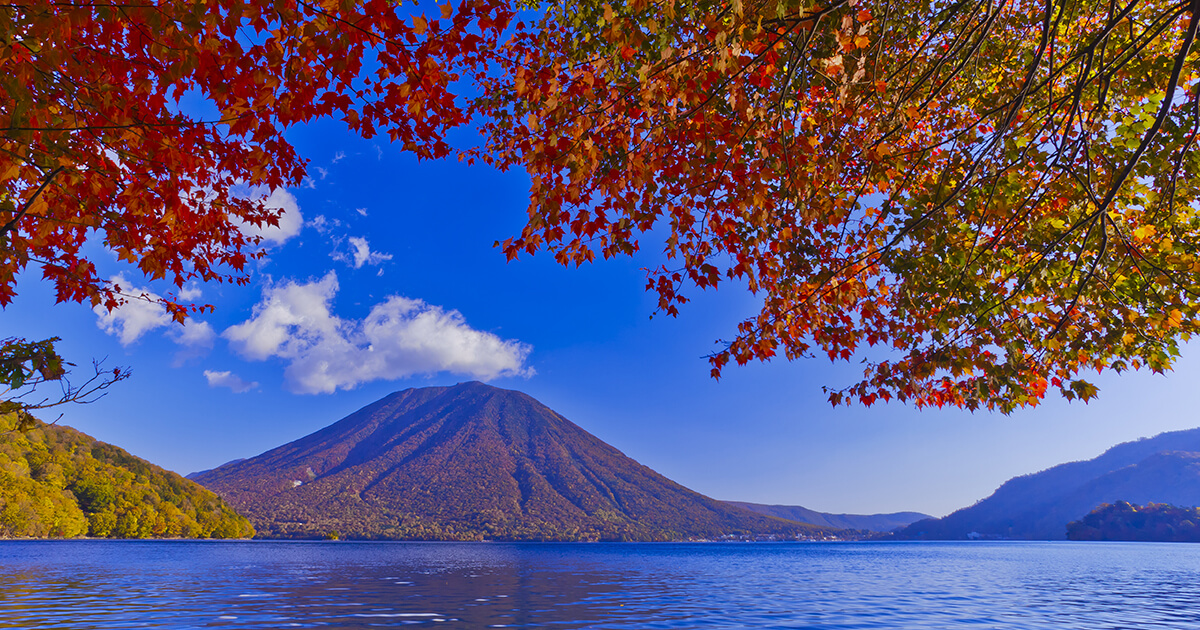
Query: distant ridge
x=1161, y=469
x=471, y=462
x=869, y=522
x=193, y=476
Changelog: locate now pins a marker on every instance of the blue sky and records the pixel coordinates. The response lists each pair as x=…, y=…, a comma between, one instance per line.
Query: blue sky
x=380, y=251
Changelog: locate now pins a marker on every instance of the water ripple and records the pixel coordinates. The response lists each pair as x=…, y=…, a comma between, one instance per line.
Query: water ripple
x=86, y=585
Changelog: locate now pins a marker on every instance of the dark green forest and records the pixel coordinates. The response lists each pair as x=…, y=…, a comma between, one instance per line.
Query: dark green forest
x=56, y=482
x=1153, y=522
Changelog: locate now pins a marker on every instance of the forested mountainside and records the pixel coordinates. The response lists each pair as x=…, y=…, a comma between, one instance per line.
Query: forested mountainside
x=56, y=482
x=1161, y=469
x=1153, y=522
x=471, y=462
x=870, y=522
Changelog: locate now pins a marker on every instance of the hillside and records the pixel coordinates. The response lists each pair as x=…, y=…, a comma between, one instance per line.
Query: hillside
x=1155, y=522
x=1162, y=469
x=56, y=482
x=470, y=462
x=869, y=522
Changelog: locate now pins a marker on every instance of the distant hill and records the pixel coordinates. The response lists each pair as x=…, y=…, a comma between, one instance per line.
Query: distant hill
x=56, y=482
x=1155, y=522
x=1162, y=469
x=471, y=462
x=869, y=522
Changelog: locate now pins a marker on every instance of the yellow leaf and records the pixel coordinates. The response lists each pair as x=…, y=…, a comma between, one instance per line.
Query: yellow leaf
x=1174, y=318
x=833, y=65
x=1144, y=232
x=38, y=207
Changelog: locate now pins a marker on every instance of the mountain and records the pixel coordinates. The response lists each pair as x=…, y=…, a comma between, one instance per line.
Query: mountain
x=1162, y=469
x=869, y=522
x=471, y=462
x=56, y=482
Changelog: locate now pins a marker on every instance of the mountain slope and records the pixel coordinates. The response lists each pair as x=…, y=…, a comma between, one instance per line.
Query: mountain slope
x=56, y=482
x=470, y=462
x=1162, y=469
x=869, y=522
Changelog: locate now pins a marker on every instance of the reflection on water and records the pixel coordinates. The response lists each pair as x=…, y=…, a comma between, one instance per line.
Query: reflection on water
x=83, y=585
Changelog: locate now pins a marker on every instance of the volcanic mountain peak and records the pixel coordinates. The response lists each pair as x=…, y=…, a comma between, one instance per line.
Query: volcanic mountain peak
x=469, y=461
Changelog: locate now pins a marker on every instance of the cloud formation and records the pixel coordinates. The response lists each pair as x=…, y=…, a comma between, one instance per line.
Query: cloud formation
x=400, y=337
x=230, y=380
x=140, y=314
x=290, y=221
x=361, y=253
x=323, y=225
x=193, y=334
x=144, y=312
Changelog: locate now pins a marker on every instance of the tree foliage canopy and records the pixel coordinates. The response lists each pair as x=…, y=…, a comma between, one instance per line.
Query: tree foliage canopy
x=1153, y=522
x=96, y=143
x=1002, y=194
x=101, y=142
x=58, y=482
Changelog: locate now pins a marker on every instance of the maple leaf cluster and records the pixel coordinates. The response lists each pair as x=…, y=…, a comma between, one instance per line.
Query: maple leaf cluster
x=95, y=142
x=998, y=196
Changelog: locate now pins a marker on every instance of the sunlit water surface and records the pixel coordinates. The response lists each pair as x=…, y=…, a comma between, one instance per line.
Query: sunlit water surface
x=83, y=585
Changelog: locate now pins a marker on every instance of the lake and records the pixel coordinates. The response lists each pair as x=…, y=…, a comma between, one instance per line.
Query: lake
x=83, y=585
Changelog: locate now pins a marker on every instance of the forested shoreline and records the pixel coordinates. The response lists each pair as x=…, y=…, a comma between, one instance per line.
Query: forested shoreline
x=57, y=482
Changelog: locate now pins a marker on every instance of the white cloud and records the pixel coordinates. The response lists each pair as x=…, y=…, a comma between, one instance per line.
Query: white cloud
x=143, y=312
x=289, y=319
x=230, y=380
x=190, y=294
x=290, y=220
x=400, y=337
x=361, y=211
x=323, y=173
x=323, y=225
x=196, y=338
x=361, y=254
x=194, y=334
x=338, y=157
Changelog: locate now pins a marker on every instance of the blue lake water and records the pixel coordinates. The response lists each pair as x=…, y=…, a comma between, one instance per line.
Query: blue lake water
x=83, y=585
